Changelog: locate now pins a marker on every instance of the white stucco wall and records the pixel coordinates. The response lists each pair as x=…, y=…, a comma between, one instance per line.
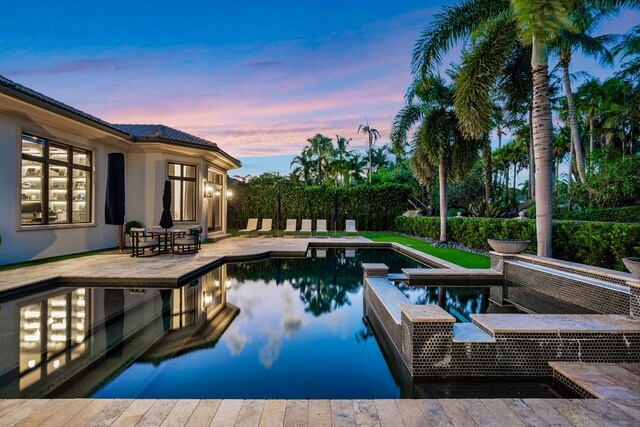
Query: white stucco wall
x=27, y=243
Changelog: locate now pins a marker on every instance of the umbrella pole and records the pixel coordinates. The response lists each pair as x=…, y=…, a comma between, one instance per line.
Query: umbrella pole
x=121, y=238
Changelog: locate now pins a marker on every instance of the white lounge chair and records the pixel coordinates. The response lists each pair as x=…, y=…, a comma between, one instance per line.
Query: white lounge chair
x=350, y=227
x=306, y=227
x=267, y=225
x=321, y=227
x=252, y=225
x=292, y=227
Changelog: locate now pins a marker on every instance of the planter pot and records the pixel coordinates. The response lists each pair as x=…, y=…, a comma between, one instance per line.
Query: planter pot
x=509, y=246
x=633, y=265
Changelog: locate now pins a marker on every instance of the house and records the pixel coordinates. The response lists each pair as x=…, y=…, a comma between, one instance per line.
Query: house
x=53, y=170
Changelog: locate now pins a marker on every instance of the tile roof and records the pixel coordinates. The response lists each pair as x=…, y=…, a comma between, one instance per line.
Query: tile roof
x=137, y=133
x=163, y=132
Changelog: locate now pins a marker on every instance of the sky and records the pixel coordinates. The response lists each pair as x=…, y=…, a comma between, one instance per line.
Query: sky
x=256, y=77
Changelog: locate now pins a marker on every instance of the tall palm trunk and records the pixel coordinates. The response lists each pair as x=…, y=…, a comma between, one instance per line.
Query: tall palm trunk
x=542, y=133
x=488, y=171
x=515, y=172
x=557, y=174
x=442, y=175
x=532, y=160
x=570, y=176
x=573, y=122
x=370, y=163
x=591, y=139
x=506, y=183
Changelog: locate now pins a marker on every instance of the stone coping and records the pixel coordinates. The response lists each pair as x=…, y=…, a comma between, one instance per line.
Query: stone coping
x=507, y=323
x=602, y=380
x=473, y=272
x=374, y=266
x=588, y=269
x=426, y=314
x=390, y=296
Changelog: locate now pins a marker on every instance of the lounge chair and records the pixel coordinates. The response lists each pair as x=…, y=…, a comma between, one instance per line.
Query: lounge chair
x=321, y=227
x=267, y=225
x=306, y=227
x=292, y=227
x=252, y=225
x=350, y=227
x=187, y=242
x=140, y=242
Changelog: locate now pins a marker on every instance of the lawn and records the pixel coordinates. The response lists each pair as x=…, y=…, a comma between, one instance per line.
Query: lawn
x=456, y=256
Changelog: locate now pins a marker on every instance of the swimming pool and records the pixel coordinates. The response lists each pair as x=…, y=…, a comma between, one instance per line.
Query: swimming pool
x=273, y=328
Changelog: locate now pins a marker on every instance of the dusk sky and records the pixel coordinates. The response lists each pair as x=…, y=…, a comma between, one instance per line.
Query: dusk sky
x=258, y=78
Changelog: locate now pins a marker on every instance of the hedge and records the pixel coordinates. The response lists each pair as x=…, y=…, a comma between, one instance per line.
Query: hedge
x=601, y=244
x=625, y=214
x=373, y=207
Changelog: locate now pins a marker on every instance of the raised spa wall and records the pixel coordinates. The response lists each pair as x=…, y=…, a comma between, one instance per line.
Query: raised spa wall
x=429, y=342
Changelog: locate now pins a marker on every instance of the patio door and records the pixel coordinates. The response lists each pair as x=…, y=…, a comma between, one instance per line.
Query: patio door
x=215, y=208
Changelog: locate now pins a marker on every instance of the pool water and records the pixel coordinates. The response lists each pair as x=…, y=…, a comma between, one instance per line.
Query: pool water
x=274, y=328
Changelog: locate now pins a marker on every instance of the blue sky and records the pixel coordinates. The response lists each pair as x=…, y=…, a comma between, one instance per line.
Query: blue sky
x=256, y=77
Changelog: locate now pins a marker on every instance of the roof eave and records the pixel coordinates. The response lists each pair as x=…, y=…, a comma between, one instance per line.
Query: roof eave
x=215, y=149
x=62, y=112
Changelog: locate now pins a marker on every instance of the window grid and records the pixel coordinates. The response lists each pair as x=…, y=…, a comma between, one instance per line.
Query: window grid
x=181, y=179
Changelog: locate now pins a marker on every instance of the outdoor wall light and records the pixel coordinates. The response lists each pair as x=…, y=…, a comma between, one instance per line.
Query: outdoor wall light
x=229, y=194
x=218, y=193
x=208, y=189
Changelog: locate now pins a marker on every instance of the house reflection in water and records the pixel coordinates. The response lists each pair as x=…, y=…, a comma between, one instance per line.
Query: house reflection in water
x=68, y=341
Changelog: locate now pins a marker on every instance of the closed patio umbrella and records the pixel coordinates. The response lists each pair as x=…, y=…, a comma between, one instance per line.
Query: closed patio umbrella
x=114, y=210
x=166, y=221
x=335, y=212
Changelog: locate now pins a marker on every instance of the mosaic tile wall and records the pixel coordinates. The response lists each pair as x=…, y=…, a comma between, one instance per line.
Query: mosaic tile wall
x=635, y=301
x=596, y=298
x=374, y=308
x=558, y=377
x=426, y=347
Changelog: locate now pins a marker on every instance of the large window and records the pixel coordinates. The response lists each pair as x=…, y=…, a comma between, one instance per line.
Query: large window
x=214, y=220
x=56, y=183
x=183, y=188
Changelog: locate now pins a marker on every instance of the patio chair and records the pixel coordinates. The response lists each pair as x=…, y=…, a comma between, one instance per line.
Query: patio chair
x=140, y=242
x=292, y=227
x=306, y=227
x=252, y=225
x=187, y=242
x=267, y=226
x=162, y=237
x=321, y=227
x=350, y=227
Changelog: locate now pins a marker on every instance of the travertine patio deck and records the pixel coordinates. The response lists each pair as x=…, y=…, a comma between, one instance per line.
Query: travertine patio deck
x=318, y=413
x=164, y=269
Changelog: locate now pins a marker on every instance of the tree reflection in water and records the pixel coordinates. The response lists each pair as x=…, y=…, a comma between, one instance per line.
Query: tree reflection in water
x=465, y=301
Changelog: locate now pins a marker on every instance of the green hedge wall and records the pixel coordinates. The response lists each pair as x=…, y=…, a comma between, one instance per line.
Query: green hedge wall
x=600, y=244
x=373, y=207
x=625, y=214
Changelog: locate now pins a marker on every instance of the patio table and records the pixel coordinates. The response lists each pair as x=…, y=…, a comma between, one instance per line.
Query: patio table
x=168, y=235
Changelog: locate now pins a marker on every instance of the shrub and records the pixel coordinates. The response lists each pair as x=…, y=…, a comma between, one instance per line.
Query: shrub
x=625, y=214
x=373, y=207
x=600, y=244
x=131, y=224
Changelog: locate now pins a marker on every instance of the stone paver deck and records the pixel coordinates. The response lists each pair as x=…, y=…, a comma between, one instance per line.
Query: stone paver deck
x=165, y=269
x=601, y=380
x=318, y=413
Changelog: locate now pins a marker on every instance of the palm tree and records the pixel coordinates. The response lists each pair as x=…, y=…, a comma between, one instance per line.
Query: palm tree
x=341, y=164
x=436, y=141
x=502, y=156
x=357, y=164
x=373, y=136
x=496, y=25
x=379, y=157
x=561, y=146
x=584, y=19
x=304, y=164
x=321, y=146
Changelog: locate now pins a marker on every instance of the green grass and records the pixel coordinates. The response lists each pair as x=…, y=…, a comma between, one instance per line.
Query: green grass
x=52, y=259
x=456, y=256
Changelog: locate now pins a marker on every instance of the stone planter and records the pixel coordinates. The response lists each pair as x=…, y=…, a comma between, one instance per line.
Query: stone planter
x=633, y=265
x=509, y=246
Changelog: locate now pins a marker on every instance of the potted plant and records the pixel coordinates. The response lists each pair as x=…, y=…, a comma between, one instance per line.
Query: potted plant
x=633, y=265
x=509, y=246
x=127, y=230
